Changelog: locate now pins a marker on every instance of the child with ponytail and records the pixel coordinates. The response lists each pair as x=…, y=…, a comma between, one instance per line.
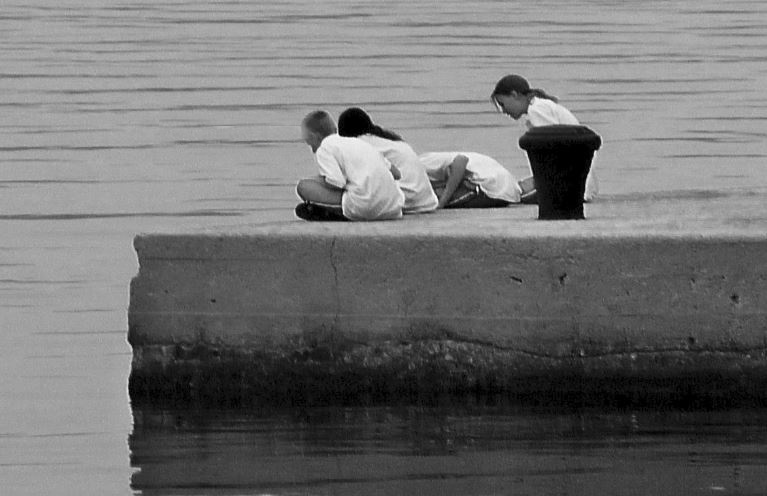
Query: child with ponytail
x=514, y=97
x=414, y=182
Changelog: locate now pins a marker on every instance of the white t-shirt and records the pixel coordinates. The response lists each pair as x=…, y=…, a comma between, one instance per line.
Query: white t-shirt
x=370, y=191
x=414, y=183
x=545, y=112
x=483, y=171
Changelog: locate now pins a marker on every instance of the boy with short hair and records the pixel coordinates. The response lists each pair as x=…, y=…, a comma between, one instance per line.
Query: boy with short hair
x=355, y=182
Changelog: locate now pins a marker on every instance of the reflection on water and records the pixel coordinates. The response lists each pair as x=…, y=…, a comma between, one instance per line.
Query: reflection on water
x=126, y=116
x=453, y=450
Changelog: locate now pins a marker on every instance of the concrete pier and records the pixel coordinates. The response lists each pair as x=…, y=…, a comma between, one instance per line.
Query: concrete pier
x=653, y=300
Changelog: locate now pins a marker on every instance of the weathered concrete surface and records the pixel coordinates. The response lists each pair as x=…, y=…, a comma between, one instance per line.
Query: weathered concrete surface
x=653, y=299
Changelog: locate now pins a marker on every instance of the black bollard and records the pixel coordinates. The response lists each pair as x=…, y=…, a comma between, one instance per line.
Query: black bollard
x=560, y=157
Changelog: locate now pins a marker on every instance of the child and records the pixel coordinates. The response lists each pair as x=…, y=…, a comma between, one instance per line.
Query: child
x=470, y=180
x=514, y=97
x=414, y=183
x=355, y=181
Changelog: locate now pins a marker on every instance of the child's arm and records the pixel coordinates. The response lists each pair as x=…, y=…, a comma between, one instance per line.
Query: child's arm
x=455, y=174
x=395, y=172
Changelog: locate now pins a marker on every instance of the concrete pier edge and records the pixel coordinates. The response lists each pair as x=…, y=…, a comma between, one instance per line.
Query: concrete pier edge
x=653, y=301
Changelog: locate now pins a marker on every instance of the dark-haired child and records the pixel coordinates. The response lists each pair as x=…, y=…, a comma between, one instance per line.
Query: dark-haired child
x=414, y=183
x=514, y=97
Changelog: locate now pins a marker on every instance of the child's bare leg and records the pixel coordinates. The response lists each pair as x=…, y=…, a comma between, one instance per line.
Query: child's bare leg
x=527, y=185
x=529, y=194
x=315, y=190
x=321, y=202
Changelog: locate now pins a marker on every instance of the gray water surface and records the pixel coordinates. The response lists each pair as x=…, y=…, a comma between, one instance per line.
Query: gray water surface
x=449, y=450
x=122, y=117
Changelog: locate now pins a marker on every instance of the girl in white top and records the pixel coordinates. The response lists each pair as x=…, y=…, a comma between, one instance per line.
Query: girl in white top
x=514, y=97
x=353, y=176
x=470, y=180
x=414, y=183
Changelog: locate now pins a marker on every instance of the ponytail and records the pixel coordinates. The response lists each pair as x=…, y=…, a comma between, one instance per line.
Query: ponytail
x=539, y=93
x=384, y=133
x=354, y=122
x=518, y=84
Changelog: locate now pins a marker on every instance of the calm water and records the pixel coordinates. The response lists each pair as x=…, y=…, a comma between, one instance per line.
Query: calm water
x=123, y=117
x=455, y=450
